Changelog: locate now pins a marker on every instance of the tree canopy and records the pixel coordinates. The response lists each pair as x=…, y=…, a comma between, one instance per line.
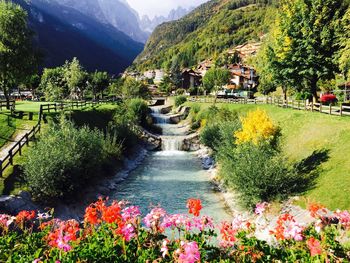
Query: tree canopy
x=18, y=58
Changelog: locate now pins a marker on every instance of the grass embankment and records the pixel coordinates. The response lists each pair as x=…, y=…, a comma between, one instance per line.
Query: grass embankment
x=12, y=181
x=305, y=132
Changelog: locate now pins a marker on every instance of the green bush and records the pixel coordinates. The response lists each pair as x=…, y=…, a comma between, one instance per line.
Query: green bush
x=137, y=110
x=66, y=158
x=179, y=100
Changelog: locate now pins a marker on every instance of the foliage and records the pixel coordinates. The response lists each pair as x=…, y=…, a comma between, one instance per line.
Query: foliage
x=53, y=84
x=344, y=38
x=75, y=77
x=66, y=158
x=112, y=232
x=256, y=127
x=18, y=59
x=215, y=78
x=99, y=81
x=207, y=32
x=134, y=89
x=179, y=100
x=303, y=44
x=175, y=72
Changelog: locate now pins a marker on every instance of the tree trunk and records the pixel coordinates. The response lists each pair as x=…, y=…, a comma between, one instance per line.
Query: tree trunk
x=284, y=93
x=313, y=88
x=7, y=98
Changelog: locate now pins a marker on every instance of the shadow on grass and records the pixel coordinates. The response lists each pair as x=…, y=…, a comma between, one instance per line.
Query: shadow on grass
x=13, y=181
x=307, y=171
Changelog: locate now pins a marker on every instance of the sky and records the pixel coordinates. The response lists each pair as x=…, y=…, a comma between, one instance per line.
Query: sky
x=160, y=7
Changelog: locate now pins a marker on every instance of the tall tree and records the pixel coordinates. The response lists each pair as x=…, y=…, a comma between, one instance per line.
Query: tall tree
x=310, y=27
x=99, y=81
x=53, y=84
x=17, y=55
x=214, y=79
x=75, y=77
x=175, y=72
x=344, y=58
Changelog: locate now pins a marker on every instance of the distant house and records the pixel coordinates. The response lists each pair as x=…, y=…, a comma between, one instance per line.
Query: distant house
x=204, y=66
x=149, y=74
x=158, y=76
x=191, y=78
x=246, y=50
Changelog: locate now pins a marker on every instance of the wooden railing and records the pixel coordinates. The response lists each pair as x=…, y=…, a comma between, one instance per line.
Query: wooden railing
x=339, y=110
x=59, y=106
x=17, y=148
x=3, y=104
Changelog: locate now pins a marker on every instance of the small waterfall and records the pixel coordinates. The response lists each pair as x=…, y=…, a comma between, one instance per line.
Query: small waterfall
x=172, y=143
x=159, y=117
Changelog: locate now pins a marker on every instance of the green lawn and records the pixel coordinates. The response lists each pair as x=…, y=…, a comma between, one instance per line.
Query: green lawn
x=304, y=132
x=29, y=106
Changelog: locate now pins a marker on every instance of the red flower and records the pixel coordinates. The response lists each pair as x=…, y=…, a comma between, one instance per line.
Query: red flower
x=194, y=206
x=327, y=98
x=25, y=216
x=112, y=214
x=228, y=234
x=314, y=209
x=314, y=246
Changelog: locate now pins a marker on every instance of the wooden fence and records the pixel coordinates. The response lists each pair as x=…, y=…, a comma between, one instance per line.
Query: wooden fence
x=3, y=104
x=17, y=148
x=60, y=106
x=340, y=110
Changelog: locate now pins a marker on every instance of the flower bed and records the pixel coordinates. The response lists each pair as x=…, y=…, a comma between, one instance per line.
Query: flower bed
x=116, y=232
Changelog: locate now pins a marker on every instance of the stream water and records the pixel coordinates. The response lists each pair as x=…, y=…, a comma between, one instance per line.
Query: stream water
x=170, y=177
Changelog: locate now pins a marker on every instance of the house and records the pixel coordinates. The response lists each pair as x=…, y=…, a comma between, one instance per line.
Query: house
x=190, y=78
x=204, y=66
x=149, y=74
x=246, y=50
x=158, y=76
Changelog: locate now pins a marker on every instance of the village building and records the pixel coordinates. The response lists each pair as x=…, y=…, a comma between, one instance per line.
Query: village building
x=204, y=66
x=246, y=50
x=159, y=75
x=190, y=78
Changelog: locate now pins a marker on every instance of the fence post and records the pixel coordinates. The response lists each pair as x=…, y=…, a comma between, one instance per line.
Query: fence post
x=341, y=109
x=11, y=157
x=20, y=147
x=330, y=109
x=0, y=168
x=27, y=139
x=321, y=107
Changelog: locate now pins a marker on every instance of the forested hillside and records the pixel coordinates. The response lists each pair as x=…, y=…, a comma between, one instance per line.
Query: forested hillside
x=206, y=32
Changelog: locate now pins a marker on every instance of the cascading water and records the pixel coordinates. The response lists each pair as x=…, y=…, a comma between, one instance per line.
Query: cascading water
x=171, y=142
x=170, y=177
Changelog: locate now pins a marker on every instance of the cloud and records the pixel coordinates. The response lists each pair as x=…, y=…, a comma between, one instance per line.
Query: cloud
x=160, y=7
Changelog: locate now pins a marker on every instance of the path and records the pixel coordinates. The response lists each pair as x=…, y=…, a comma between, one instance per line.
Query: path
x=17, y=136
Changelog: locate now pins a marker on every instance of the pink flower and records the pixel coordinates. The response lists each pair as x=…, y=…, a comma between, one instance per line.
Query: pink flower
x=128, y=232
x=260, y=208
x=344, y=218
x=130, y=213
x=190, y=253
x=203, y=223
x=62, y=243
x=164, y=249
x=38, y=260
x=153, y=219
x=179, y=221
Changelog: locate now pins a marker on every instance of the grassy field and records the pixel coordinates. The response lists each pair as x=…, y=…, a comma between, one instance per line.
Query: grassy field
x=304, y=132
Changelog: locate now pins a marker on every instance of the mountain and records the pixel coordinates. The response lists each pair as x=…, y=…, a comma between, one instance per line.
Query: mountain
x=63, y=33
x=149, y=25
x=117, y=13
x=206, y=32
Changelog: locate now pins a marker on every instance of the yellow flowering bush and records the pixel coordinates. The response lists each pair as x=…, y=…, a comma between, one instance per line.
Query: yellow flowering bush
x=256, y=127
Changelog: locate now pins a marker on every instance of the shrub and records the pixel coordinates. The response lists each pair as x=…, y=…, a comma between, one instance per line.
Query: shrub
x=137, y=110
x=260, y=173
x=328, y=98
x=179, y=100
x=66, y=158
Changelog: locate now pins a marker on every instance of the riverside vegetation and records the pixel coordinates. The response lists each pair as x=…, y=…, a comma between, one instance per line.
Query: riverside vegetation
x=69, y=155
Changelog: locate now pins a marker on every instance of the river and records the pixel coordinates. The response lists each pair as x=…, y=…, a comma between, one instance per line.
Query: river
x=170, y=177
